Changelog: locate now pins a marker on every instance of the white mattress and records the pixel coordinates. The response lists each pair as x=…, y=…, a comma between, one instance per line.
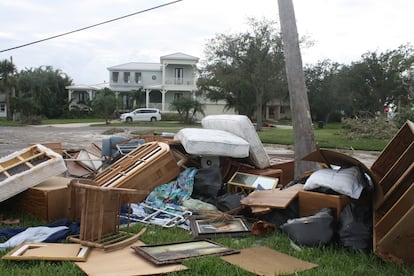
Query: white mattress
x=212, y=142
x=19, y=172
x=241, y=126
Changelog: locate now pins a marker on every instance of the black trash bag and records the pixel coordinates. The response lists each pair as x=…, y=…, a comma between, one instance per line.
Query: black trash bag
x=355, y=227
x=279, y=217
x=207, y=184
x=229, y=201
x=312, y=230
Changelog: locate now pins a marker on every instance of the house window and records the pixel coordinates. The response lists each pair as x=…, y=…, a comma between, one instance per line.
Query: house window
x=2, y=108
x=115, y=76
x=138, y=77
x=127, y=77
x=177, y=96
x=179, y=75
x=282, y=109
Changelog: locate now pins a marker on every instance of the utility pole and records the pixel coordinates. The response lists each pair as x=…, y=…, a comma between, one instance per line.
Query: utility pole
x=304, y=139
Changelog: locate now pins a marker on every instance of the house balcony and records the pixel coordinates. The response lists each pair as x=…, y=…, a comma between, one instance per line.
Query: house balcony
x=180, y=84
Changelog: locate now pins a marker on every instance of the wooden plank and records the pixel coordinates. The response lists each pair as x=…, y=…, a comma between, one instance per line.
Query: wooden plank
x=404, y=161
x=393, y=150
x=272, y=198
x=394, y=214
x=397, y=245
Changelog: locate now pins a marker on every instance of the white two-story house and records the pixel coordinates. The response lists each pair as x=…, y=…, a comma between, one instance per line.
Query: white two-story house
x=139, y=84
x=156, y=85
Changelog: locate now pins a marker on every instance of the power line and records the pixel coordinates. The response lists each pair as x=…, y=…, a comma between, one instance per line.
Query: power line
x=91, y=26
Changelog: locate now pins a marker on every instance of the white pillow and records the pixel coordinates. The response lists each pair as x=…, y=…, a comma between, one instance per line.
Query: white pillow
x=348, y=181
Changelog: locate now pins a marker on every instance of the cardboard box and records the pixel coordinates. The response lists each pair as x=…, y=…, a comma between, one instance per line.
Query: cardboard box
x=47, y=201
x=311, y=202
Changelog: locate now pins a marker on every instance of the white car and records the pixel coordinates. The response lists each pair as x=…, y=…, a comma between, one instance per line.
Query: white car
x=141, y=114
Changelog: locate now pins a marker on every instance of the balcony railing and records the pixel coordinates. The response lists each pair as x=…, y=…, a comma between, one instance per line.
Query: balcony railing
x=180, y=81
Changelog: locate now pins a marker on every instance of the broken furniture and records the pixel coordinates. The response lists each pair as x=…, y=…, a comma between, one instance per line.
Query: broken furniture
x=48, y=201
x=311, y=202
x=394, y=198
x=144, y=168
x=99, y=214
x=264, y=201
x=28, y=167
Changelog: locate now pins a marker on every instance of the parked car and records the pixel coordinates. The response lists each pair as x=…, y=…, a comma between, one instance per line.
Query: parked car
x=141, y=114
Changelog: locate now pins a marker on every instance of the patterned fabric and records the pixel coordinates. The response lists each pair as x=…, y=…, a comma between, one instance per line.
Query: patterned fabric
x=172, y=194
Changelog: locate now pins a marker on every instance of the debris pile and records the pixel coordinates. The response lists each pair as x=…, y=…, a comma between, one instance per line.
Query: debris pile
x=213, y=181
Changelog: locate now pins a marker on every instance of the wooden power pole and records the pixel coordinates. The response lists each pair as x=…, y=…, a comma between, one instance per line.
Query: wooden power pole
x=304, y=139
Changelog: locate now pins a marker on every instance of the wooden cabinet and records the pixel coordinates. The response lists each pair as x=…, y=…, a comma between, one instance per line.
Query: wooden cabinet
x=393, y=203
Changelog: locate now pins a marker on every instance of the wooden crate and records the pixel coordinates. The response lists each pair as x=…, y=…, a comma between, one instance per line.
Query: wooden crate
x=47, y=201
x=394, y=197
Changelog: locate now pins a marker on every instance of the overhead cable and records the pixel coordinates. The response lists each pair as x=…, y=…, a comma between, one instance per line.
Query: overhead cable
x=91, y=26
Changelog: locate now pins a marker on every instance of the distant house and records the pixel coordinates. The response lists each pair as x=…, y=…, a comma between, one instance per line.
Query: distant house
x=156, y=85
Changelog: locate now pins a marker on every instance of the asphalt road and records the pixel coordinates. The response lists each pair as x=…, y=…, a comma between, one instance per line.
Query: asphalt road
x=78, y=136
x=72, y=136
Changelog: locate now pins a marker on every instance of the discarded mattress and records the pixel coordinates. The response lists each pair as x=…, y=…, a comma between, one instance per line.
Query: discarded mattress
x=212, y=142
x=28, y=167
x=241, y=126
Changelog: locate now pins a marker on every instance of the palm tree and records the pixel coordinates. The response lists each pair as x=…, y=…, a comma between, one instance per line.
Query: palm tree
x=7, y=82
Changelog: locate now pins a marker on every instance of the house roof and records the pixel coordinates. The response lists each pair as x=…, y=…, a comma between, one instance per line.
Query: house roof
x=143, y=66
x=181, y=56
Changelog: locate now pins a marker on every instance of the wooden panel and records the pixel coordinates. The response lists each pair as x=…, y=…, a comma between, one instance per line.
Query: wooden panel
x=397, y=245
x=272, y=198
x=404, y=161
x=311, y=202
x=394, y=214
x=394, y=197
x=395, y=148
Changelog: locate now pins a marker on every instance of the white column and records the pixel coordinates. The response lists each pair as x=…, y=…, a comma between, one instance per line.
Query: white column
x=147, y=91
x=163, y=92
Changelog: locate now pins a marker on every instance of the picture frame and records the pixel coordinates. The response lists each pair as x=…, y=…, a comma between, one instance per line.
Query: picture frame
x=202, y=227
x=247, y=183
x=29, y=251
x=177, y=252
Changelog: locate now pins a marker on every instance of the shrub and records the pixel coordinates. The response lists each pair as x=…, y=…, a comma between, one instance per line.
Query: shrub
x=368, y=128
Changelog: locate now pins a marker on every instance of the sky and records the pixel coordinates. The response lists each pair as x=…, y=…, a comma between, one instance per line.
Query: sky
x=341, y=30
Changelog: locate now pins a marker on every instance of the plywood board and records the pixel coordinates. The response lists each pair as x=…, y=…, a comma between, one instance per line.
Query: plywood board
x=272, y=198
x=266, y=261
x=123, y=262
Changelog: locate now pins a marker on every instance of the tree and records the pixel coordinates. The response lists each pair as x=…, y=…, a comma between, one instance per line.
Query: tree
x=327, y=89
x=187, y=108
x=245, y=69
x=45, y=86
x=104, y=104
x=7, y=83
x=382, y=77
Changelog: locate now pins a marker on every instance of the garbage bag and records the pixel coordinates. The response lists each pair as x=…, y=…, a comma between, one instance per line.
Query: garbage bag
x=229, y=201
x=355, y=227
x=315, y=230
x=207, y=184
